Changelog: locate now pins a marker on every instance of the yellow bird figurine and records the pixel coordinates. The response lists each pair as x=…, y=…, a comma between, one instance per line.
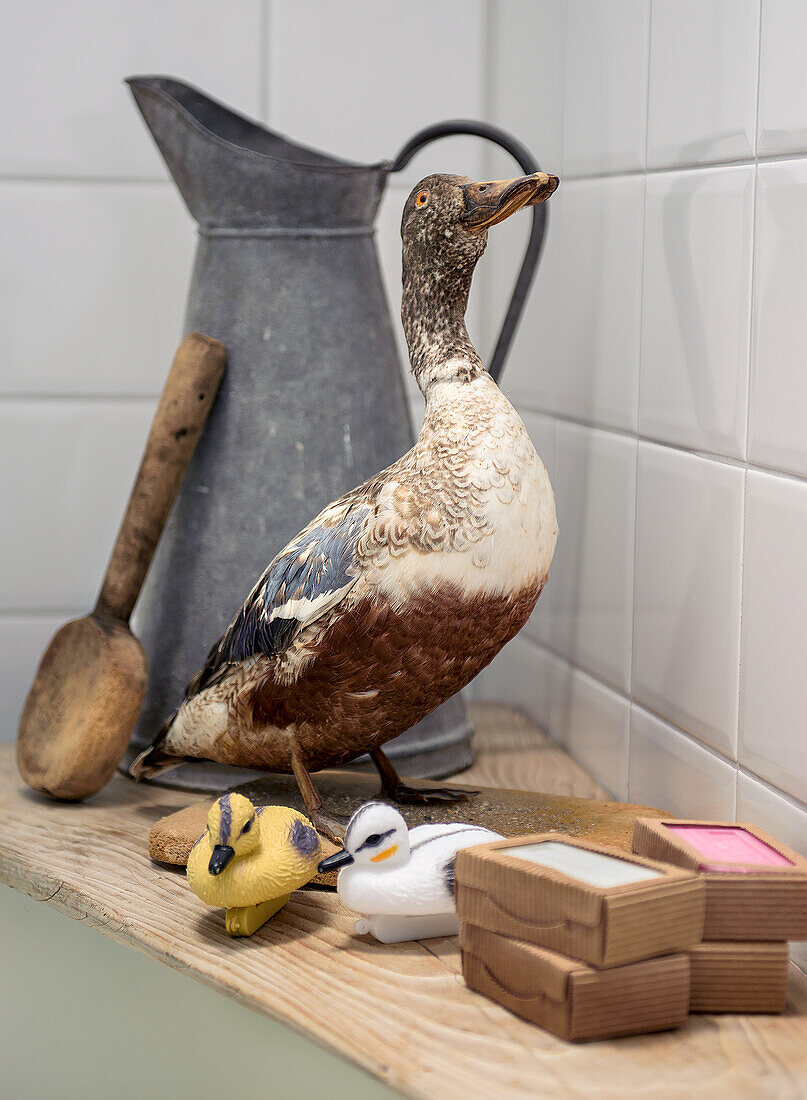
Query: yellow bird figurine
x=250, y=859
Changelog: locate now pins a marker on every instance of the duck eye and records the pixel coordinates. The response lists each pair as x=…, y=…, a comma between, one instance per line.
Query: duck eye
x=247, y=827
x=422, y=198
x=373, y=840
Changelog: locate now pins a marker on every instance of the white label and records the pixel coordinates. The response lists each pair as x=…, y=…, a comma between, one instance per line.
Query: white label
x=593, y=868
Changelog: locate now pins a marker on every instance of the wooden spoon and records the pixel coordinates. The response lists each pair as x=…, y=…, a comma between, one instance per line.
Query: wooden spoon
x=85, y=698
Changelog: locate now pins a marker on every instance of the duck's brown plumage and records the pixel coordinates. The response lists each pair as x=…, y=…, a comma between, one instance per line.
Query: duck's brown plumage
x=400, y=592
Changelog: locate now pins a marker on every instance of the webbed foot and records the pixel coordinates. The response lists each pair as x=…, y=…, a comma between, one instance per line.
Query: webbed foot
x=394, y=788
x=416, y=796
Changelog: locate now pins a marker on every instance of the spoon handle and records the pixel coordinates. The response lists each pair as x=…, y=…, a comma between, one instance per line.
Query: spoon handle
x=182, y=412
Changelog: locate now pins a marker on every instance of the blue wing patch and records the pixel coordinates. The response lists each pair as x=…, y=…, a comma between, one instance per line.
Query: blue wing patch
x=301, y=583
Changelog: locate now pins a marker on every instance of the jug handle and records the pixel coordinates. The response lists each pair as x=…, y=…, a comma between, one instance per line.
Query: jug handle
x=532, y=254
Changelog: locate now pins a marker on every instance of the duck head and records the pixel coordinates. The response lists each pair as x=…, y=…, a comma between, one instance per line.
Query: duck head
x=232, y=830
x=376, y=836
x=444, y=230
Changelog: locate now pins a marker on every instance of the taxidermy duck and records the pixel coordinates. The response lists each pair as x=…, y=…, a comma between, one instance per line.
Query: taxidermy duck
x=250, y=859
x=403, y=880
x=398, y=593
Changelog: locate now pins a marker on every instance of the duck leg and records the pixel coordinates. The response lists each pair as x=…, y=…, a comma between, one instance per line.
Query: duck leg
x=394, y=788
x=323, y=823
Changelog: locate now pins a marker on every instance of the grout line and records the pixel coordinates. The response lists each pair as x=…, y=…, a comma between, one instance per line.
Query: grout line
x=639, y=375
x=796, y=803
x=759, y=80
x=647, y=90
x=668, y=169
x=590, y=177
x=656, y=441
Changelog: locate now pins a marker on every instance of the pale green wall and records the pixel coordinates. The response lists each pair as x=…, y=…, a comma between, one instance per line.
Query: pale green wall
x=83, y=1017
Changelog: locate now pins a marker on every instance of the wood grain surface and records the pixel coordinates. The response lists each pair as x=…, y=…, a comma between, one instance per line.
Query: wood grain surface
x=401, y=1011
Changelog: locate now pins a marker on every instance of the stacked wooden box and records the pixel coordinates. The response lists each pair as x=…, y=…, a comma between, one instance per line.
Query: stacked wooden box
x=585, y=941
x=756, y=900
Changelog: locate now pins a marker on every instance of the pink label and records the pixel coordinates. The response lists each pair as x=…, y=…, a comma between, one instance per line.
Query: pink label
x=729, y=844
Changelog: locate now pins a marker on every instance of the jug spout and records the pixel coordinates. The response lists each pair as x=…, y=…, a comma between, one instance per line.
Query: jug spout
x=235, y=173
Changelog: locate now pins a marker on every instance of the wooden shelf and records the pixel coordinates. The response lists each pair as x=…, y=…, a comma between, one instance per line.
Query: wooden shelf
x=400, y=1012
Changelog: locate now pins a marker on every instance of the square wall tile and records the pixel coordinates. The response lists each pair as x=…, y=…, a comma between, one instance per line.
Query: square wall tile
x=519, y=676
x=778, y=377
x=357, y=79
x=592, y=574
x=606, y=86
x=773, y=683
x=600, y=298
x=697, y=307
x=73, y=466
x=22, y=642
x=672, y=772
x=66, y=110
x=703, y=81
x=94, y=279
x=686, y=639
x=542, y=433
x=593, y=725
x=783, y=78
x=526, y=62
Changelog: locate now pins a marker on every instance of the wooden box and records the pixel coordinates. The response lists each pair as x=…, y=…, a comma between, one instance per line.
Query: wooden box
x=756, y=888
x=594, y=903
x=571, y=999
x=739, y=977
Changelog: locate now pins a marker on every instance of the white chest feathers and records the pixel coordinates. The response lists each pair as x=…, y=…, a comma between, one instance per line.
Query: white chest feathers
x=491, y=506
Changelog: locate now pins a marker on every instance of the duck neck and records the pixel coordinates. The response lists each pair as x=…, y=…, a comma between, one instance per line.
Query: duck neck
x=433, y=314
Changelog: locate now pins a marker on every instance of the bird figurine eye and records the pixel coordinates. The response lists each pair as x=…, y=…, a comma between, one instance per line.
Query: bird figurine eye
x=373, y=840
x=422, y=198
x=247, y=827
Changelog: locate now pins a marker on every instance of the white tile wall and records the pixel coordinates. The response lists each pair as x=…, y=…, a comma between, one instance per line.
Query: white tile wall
x=68, y=467
x=65, y=110
x=696, y=309
x=668, y=321
x=774, y=685
x=605, y=117
x=778, y=377
x=591, y=592
x=687, y=592
x=600, y=230
x=783, y=78
x=703, y=81
x=636, y=343
x=104, y=313
x=397, y=67
x=592, y=723
x=674, y=773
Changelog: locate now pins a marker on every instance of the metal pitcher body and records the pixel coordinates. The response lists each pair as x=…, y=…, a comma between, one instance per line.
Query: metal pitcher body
x=286, y=275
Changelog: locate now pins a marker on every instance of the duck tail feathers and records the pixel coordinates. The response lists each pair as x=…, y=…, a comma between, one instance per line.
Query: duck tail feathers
x=155, y=760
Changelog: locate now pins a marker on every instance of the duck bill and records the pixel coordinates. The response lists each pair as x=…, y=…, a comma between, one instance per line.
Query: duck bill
x=334, y=862
x=487, y=204
x=220, y=857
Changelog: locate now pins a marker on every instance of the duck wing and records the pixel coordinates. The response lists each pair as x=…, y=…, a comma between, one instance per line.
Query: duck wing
x=307, y=579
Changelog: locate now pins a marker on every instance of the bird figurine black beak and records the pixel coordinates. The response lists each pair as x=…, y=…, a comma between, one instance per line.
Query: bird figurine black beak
x=488, y=204
x=334, y=862
x=222, y=854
